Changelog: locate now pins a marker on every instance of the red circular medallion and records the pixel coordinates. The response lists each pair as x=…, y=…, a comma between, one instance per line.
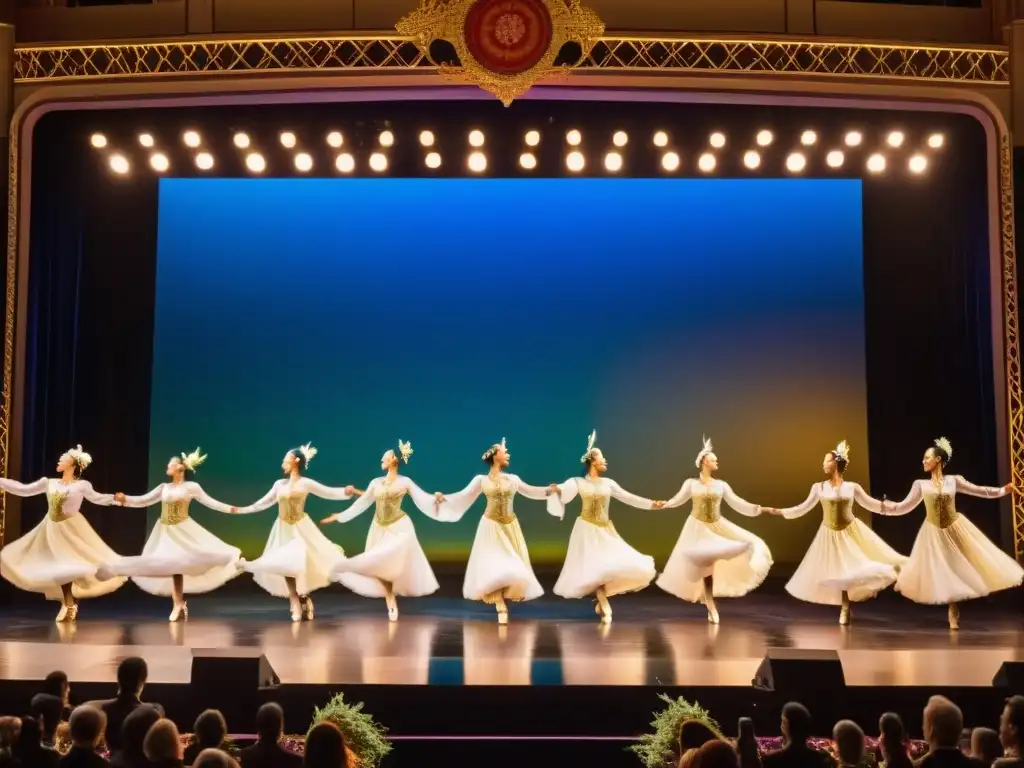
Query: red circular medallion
x=508, y=36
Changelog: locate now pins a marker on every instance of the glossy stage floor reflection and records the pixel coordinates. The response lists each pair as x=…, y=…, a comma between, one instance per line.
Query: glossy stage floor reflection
x=446, y=641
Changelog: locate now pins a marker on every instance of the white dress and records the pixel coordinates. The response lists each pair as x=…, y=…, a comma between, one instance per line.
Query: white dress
x=178, y=545
x=845, y=555
x=499, y=563
x=297, y=548
x=709, y=545
x=597, y=555
x=952, y=560
x=393, y=554
x=63, y=548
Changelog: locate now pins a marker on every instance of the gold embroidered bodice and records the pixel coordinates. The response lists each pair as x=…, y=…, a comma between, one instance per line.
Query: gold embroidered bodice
x=595, y=505
x=939, y=508
x=291, y=507
x=388, y=508
x=706, y=504
x=174, y=512
x=55, y=499
x=837, y=512
x=499, y=501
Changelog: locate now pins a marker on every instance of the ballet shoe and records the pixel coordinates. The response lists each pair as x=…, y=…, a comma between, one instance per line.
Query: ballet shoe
x=73, y=613
x=844, y=616
x=307, y=607
x=954, y=617
x=597, y=608
x=503, y=617
x=392, y=613
x=179, y=613
x=62, y=614
x=713, y=614
x=296, y=608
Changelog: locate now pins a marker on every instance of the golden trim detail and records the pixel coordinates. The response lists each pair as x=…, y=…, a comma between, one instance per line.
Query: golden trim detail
x=9, y=320
x=390, y=52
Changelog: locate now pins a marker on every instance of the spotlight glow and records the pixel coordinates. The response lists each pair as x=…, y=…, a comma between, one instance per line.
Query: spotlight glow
x=575, y=161
x=427, y=138
x=191, y=139
x=936, y=140
x=254, y=162
x=303, y=162
x=159, y=162
x=706, y=162
x=620, y=139
x=146, y=140
x=288, y=140
x=476, y=138
x=764, y=138
x=808, y=138
x=119, y=164
x=895, y=139
x=378, y=162
x=573, y=138
x=670, y=161
x=853, y=138
x=345, y=162
x=242, y=140
x=660, y=139
x=717, y=140
x=477, y=162
x=532, y=138
x=796, y=163
x=528, y=161
x=751, y=159
x=204, y=161
x=876, y=163
x=433, y=160
x=98, y=140
x=834, y=159
x=917, y=164
x=387, y=139
x=335, y=139
x=613, y=162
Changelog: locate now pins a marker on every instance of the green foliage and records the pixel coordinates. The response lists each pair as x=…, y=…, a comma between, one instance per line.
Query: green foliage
x=366, y=738
x=656, y=749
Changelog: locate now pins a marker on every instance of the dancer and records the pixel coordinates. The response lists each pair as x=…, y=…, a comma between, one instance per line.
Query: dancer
x=599, y=561
x=297, y=558
x=847, y=561
x=952, y=560
x=180, y=555
x=713, y=556
x=499, y=564
x=393, y=558
x=61, y=556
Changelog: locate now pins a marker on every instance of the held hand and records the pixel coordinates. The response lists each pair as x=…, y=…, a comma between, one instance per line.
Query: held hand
x=658, y=505
x=234, y=511
x=350, y=490
x=770, y=511
x=119, y=498
x=1010, y=488
x=329, y=519
x=439, y=498
x=553, y=488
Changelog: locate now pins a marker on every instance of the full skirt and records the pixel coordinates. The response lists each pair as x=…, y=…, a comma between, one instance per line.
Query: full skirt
x=957, y=563
x=854, y=560
x=393, y=555
x=185, y=549
x=499, y=564
x=599, y=557
x=737, y=560
x=55, y=553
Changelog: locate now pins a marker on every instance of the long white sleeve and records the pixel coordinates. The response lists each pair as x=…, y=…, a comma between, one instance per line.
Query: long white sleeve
x=196, y=492
x=426, y=503
x=23, y=489
x=981, y=491
x=457, y=504
x=906, y=506
x=618, y=492
x=791, y=513
x=533, y=492
x=145, y=500
x=326, y=492
x=740, y=505
x=361, y=504
x=683, y=495
x=265, y=503
x=862, y=498
x=91, y=495
x=566, y=492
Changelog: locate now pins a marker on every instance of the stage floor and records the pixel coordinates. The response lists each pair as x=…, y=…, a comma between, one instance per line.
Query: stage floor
x=655, y=640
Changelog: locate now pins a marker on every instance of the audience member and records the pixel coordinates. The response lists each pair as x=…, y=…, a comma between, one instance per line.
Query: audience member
x=689, y=759
x=267, y=752
x=985, y=745
x=163, y=745
x=943, y=724
x=717, y=754
x=214, y=758
x=87, y=726
x=131, y=679
x=49, y=710
x=57, y=684
x=892, y=742
x=849, y=740
x=326, y=748
x=133, y=737
x=796, y=730
x=30, y=750
x=209, y=731
x=746, y=744
x=1011, y=731
x=10, y=728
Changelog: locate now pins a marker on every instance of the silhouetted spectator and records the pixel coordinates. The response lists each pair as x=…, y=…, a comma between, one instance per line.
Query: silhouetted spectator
x=717, y=754
x=30, y=750
x=10, y=729
x=131, y=679
x=133, y=736
x=943, y=724
x=326, y=748
x=796, y=730
x=209, y=731
x=214, y=758
x=163, y=745
x=57, y=684
x=985, y=745
x=746, y=744
x=267, y=752
x=49, y=711
x=892, y=742
x=849, y=739
x=87, y=725
x=1011, y=733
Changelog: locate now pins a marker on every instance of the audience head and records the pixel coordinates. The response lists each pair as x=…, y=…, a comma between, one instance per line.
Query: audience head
x=31, y=736
x=270, y=722
x=985, y=745
x=49, y=709
x=56, y=684
x=796, y=723
x=892, y=738
x=214, y=758
x=10, y=728
x=131, y=676
x=689, y=759
x=943, y=723
x=87, y=725
x=849, y=739
x=135, y=727
x=717, y=754
x=694, y=734
x=326, y=748
x=1011, y=723
x=210, y=728
x=163, y=742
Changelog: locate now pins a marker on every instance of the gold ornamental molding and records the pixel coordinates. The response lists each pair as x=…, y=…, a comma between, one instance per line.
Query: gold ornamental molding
x=388, y=52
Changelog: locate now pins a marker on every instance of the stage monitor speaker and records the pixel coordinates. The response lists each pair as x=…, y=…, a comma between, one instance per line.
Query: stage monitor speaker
x=232, y=670
x=790, y=669
x=1010, y=676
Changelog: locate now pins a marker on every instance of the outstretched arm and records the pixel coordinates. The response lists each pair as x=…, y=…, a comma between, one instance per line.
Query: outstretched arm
x=145, y=500
x=91, y=495
x=639, y=502
x=327, y=492
x=683, y=495
x=23, y=489
x=791, y=513
x=981, y=491
x=560, y=495
x=265, y=503
x=738, y=504
x=427, y=503
x=197, y=493
x=907, y=505
x=357, y=508
x=452, y=507
x=533, y=492
x=861, y=497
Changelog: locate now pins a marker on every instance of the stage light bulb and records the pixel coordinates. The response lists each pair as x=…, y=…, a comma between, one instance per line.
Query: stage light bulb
x=620, y=139
x=335, y=139
x=98, y=140
x=613, y=162
x=159, y=162
x=660, y=139
x=254, y=162
x=427, y=138
x=764, y=138
x=895, y=139
x=345, y=162
x=834, y=159
x=936, y=140
x=433, y=160
x=242, y=140
x=387, y=139
x=796, y=163
x=204, y=161
x=477, y=162
x=119, y=164
x=670, y=161
x=706, y=162
x=751, y=159
x=917, y=164
x=717, y=140
x=378, y=162
x=532, y=138
x=528, y=161
x=808, y=138
x=876, y=163
x=191, y=139
x=303, y=162
x=476, y=138
x=853, y=138
x=575, y=161
x=288, y=140
x=146, y=140
x=573, y=138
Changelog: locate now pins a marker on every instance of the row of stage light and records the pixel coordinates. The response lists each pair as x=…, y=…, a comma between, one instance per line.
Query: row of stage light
x=847, y=152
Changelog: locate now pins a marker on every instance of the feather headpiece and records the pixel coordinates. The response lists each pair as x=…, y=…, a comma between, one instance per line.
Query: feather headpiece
x=80, y=457
x=193, y=460
x=946, y=446
x=703, y=452
x=842, y=451
x=493, y=449
x=405, y=449
x=590, y=447
x=308, y=452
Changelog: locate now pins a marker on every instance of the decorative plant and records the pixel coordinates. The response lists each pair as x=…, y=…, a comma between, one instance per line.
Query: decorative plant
x=656, y=749
x=366, y=738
